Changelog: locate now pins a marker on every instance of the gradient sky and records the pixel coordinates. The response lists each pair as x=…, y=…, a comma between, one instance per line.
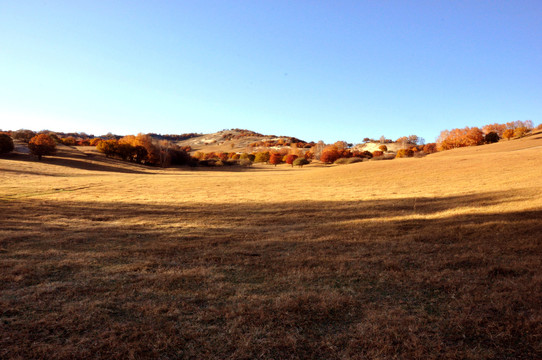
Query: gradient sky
x=317, y=70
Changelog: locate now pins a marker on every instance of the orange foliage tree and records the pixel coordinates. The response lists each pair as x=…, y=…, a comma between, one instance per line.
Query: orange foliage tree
x=275, y=159
x=460, y=138
x=508, y=134
x=42, y=144
x=108, y=147
x=520, y=131
x=430, y=148
x=290, y=159
x=330, y=154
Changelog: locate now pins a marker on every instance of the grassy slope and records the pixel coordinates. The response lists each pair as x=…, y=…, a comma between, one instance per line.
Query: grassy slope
x=438, y=257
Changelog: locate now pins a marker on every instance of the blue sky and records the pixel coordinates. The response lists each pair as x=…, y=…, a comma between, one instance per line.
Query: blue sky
x=317, y=70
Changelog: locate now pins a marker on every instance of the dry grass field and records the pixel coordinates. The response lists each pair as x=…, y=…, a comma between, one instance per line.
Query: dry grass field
x=428, y=258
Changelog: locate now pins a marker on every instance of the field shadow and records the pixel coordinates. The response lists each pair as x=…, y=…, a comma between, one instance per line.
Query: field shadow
x=77, y=160
x=392, y=278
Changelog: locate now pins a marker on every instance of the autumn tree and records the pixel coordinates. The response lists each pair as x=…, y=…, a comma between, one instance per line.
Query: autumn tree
x=153, y=153
x=430, y=148
x=124, y=151
x=317, y=149
x=6, y=144
x=94, y=142
x=456, y=138
x=508, y=134
x=290, y=159
x=275, y=159
x=108, y=147
x=494, y=128
x=41, y=145
x=262, y=157
x=520, y=131
x=329, y=155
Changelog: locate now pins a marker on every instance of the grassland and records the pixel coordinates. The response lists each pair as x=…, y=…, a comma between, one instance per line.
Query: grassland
x=438, y=257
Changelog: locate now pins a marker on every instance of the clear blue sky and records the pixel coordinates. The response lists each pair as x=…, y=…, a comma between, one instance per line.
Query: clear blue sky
x=317, y=70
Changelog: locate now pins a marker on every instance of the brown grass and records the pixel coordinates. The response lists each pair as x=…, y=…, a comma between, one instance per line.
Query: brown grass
x=438, y=257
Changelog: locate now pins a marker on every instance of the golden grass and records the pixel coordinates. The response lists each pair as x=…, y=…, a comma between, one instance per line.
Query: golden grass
x=438, y=257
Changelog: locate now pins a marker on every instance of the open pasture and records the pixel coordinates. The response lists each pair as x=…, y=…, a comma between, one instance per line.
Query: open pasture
x=438, y=257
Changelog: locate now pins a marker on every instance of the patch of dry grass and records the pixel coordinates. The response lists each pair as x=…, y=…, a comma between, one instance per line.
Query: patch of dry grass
x=437, y=257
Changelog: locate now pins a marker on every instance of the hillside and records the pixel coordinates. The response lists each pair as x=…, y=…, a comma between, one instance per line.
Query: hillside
x=434, y=257
x=236, y=140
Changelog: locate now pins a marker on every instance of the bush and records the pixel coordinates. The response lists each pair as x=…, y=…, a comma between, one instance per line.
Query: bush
x=383, y=148
x=430, y=148
x=491, y=137
x=346, y=161
x=245, y=156
x=385, y=157
x=6, y=144
x=377, y=153
x=367, y=154
x=300, y=162
x=405, y=153
x=329, y=156
x=245, y=162
x=42, y=145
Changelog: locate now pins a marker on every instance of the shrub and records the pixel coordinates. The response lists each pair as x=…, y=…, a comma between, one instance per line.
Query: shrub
x=245, y=162
x=300, y=162
x=329, y=156
x=383, y=148
x=68, y=141
x=377, y=153
x=346, y=161
x=405, y=153
x=430, y=148
x=6, y=144
x=41, y=145
x=491, y=137
x=389, y=156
